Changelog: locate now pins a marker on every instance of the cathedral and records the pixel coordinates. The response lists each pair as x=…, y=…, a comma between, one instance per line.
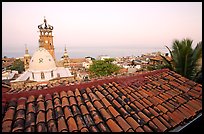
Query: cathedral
x=41, y=68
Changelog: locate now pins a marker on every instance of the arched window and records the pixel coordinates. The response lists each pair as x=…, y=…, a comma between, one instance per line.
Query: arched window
x=42, y=75
x=51, y=73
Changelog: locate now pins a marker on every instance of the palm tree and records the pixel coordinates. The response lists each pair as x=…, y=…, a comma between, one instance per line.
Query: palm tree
x=184, y=58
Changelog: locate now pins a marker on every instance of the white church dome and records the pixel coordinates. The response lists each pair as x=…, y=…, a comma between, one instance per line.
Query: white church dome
x=42, y=61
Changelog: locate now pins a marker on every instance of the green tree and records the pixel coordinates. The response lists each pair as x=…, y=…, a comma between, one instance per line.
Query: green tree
x=103, y=67
x=184, y=58
x=18, y=65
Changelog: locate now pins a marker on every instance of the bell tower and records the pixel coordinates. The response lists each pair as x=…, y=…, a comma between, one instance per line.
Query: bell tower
x=66, y=58
x=46, y=38
x=26, y=59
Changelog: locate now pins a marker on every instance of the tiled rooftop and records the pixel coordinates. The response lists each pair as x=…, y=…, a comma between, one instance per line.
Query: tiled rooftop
x=157, y=101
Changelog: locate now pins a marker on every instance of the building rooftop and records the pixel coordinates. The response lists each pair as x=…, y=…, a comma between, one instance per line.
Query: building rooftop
x=157, y=101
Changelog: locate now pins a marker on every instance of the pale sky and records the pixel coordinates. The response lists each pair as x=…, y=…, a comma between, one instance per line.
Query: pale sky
x=99, y=25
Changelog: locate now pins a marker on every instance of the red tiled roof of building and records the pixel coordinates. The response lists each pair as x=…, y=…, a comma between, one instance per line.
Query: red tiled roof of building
x=155, y=101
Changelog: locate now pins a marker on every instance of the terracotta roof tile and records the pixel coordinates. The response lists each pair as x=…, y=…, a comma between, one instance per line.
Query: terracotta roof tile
x=103, y=128
x=167, y=107
x=116, y=104
x=63, y=94
x=96, y=118
x=18, y=125
x=147, y=129
x=139, y=129
x=58, y=112
x=30, y=120
x=80, y=123
x=75, y=110
x=164, y=122
x=70, y=93
x=93, y=129
x=77, y=93
x=123, y=124
x=141, y=107
x=90, y=106
x=88, y=120
x=61, y=124
x=40, y=117
x=30, y=108
x=100, y=95
x=93, y=97
x=49, y=105
x=48, y=97
x=31, y=99
x=65, y=102
x=84, y=110
x=113, y=126
x=163, y=109
x=41, y=127
x=185, y=112
x=85, y=97
x=9, y=115
x=84, y=130
x=40, y=98
x=104, y=92
x=110, y=98
x=72, y=101
x=105, y=114
x=106, y=102
x=30, y=129
x=6, y=126
x=169, y=119
x=88, y=90
x=149, y=114
x=56, y=95
x=98, y=105
x=40, y=106
x=51, y=125
x=136, y=109
x=113, y=112
x=123, y=112
x=50, y=115
x=72, y=124
x=20, y=114
x=159, y=125
x=143, y=116
x=67, y=112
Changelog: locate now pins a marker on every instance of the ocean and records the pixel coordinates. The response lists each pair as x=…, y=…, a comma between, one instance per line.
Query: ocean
x=93, y=52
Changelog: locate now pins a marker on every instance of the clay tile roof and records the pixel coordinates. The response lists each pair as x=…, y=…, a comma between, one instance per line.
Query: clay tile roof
x=7, y=126
x=70, y=93
x=31, y=99
x=157, y=101
x=40, y=98
x=65, y=102
x=63, y=94
x=18, y=125
x=48, y=97
x=50, y=115
x=113, y=126
x=55, y=95
x=72, y=125
x=61, y=124
x=52, y=126
x=77, y=93
x=41, y=127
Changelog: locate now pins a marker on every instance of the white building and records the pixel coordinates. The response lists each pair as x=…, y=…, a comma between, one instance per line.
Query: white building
x=42, y=67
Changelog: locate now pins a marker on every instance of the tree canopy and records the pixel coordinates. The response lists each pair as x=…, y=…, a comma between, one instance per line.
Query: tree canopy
x=103, y=67
x=18, y=65
x=184, y=58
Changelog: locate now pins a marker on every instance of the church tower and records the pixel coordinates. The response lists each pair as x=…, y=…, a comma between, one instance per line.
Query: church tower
x=46, y=38
x=65, y=58
x=26, y=59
